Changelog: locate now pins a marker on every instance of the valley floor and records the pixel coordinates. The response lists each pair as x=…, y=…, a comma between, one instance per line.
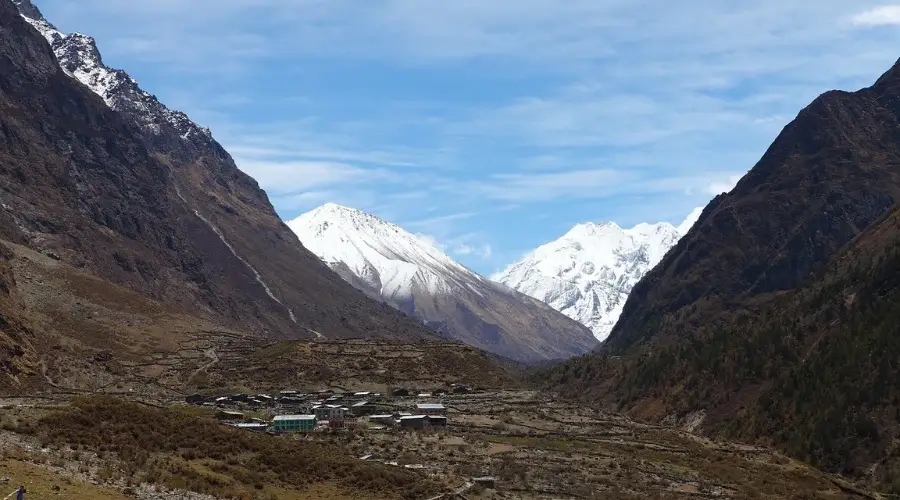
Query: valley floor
x=535, y=447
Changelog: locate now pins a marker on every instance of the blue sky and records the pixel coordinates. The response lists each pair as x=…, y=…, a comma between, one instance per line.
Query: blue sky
x=492, y=126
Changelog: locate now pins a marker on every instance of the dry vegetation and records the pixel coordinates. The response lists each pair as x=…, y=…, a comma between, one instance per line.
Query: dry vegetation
x=545, y=449
x=538, y=448
x=97, y=336
x=359, y=365
x=179, y=450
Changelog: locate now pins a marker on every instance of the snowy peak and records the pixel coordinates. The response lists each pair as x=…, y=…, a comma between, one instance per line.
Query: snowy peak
x=79, y=57
x=588, y=273
x=690, y=221
x=386, y=257
x=331, y=213
x=413, y=275
x=29, y=10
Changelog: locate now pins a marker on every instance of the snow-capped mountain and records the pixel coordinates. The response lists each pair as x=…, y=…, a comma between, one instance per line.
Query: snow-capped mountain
x=589, y=272
x=79, y=57
x=411, y=274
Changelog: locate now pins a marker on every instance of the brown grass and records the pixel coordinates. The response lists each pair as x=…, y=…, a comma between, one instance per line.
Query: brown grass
x=180, y=450
x=41, y=482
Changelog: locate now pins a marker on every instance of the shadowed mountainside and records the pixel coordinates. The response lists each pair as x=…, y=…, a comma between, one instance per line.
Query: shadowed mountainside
x=163, y=214
x=772, y=320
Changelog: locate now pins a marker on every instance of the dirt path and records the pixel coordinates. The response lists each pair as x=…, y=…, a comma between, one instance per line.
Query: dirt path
x=213, y=360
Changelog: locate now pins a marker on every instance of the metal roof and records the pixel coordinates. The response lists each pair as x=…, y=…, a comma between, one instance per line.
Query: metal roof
x=413, y=417
x=362, y=403
x=293, y=417
x=430, y=406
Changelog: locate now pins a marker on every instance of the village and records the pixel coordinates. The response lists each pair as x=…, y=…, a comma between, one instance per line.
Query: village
x=326, y=412
x=291, y=411
x=480, y=444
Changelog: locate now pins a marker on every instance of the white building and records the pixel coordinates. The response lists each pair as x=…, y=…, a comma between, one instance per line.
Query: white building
x=430, y=409
x=331, y=413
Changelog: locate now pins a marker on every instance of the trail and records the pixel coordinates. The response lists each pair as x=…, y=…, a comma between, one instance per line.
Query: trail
x=221, y=236
x=213, y=357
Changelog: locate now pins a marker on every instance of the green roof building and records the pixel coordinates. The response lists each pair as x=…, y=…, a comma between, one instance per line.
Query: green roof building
x=294, y=423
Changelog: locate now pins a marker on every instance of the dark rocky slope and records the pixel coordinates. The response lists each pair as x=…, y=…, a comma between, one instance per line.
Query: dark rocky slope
x=139, y=201
x=773, y=318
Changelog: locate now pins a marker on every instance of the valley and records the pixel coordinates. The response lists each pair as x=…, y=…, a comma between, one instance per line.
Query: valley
x=530, y=446
x=167, y=331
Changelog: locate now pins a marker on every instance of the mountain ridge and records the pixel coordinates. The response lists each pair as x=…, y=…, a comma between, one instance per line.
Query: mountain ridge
x=417, y=278
x=772, y=320
x=117, y=184
x=588, y=273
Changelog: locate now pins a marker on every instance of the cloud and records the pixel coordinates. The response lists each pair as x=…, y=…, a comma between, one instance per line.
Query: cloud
x=883, y=15
x=439, y=220
x=483, y=252
x=426, y=111
x=719, y=187
x=464, y=245
x=549, y=186
x=431, y=240
x=298, y=176
x=424, y=31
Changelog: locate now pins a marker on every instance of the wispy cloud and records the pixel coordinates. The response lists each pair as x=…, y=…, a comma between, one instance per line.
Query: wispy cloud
x=441, y=115
x=484, y=252
x=883, y=15
x=296, y=176
x=431, y=222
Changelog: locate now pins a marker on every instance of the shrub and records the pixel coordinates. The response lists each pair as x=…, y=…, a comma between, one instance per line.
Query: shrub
x=141, y=436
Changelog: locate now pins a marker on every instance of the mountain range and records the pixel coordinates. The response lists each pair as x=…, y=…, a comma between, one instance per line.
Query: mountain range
x=589, y=272
x=127, y=228
x=134, y=254
x=774, y=319
x=412, y=275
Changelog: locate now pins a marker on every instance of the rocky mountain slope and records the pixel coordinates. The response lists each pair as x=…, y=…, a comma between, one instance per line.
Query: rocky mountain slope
x=773, y=318
x=589, y=272
x=412, y=275
x=98, y=173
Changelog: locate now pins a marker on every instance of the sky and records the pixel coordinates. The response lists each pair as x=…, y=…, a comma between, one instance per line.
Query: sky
x=492, y=126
